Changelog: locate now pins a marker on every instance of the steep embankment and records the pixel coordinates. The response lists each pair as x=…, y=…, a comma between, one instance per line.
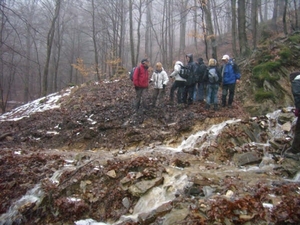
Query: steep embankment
x=265, y=83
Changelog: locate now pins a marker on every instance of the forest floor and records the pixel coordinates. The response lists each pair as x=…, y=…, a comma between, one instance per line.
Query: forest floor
x=96, y=122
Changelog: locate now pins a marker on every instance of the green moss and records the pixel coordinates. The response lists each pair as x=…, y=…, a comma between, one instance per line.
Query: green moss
x=262, y=72
x=295, y=38
x=262, y=95
x=285, y=54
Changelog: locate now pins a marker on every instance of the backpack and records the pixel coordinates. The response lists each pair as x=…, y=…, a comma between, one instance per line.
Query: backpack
x=235, y=67
x=131, y=73
x=200, y=71
x=184, y=72
x=212, y=75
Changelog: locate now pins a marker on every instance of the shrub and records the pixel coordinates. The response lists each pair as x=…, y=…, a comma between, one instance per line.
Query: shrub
x=262, y=95
x=295, y=38
x=262, y=72
x=285, y=54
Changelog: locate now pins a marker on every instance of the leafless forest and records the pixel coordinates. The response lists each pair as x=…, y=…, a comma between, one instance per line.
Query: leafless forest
x=47, y=45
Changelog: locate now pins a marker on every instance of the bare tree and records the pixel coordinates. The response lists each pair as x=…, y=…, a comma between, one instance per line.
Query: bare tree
x=234, y=28
x=95, y=40
x=244, y=49
x=209, y=28
x=254, y=8
x=183, y=21
x=284, y=17
x=50, y=38
x=275, y=14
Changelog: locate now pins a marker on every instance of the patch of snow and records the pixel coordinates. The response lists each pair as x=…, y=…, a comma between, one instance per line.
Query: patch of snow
x=89, y=222
x=71, y=199
x=39, y=105
x=52, y=132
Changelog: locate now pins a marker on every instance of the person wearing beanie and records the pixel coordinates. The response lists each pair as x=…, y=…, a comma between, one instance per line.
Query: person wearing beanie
x=140, y=81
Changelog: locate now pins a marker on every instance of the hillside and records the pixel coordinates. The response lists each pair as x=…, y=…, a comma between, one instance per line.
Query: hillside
x=266, y=85
x=82, y=153
x=100, y=116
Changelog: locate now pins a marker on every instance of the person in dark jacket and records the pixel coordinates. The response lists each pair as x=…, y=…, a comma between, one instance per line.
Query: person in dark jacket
x=230, y=78
x=190, y=81
x=295, y=148
x=141, y=81
x=213, y=84
x=200, y=86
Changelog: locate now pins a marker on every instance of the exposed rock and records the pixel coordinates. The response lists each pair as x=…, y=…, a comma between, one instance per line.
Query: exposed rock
x=247, y=158
x=286, y=127
x=141, y=187
x=111, y=174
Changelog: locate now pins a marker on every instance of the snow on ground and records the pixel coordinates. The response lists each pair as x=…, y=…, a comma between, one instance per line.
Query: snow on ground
x=39, y=105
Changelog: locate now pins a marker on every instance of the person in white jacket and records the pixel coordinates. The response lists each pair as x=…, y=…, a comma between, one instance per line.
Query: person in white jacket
x=178, y=83
x=159, y=79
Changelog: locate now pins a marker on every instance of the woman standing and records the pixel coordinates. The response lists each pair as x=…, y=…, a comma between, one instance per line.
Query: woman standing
x=160, y=80
x=214, y=79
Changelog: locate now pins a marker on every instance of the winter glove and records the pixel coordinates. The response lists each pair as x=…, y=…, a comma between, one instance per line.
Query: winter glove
x=296, y=112
x=164, y=86
x=150, y=81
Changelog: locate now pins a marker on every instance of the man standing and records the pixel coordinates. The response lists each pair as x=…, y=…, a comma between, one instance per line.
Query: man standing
x=140, y=81
x=200, y=85
x=190, y=81
x=231, y=76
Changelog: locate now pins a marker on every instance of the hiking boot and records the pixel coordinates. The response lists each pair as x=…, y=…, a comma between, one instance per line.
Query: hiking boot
x=216, y=107
x=207, y=106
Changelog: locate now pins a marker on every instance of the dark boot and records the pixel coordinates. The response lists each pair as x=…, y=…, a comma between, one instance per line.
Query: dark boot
x=207, y=106
x=216, y=107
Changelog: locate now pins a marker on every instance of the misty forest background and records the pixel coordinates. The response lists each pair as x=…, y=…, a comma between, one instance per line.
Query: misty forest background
x=46, y=45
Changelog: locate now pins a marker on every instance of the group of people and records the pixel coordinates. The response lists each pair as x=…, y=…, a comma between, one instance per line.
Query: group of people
x=201, y=84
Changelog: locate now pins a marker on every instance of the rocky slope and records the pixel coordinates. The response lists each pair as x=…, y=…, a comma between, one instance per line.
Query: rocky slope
x=265, y=83
x=91, y=157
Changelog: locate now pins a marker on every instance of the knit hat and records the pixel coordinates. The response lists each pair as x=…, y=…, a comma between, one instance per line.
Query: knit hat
x=144, y=60
x=225, y=57
x=200, y=60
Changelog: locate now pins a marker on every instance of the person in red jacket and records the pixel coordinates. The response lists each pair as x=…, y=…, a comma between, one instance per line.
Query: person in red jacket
x=140, y=81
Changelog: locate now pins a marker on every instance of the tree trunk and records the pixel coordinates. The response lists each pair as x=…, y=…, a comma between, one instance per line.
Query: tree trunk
x=284, y=18
x=244, y=49
x=183, y=21
x=275, y=15
x=254, y=9
x=202, y=3
x=233, y=28
x=50, y=37
x=95, y=41
x=170, y=32
x=209, y=28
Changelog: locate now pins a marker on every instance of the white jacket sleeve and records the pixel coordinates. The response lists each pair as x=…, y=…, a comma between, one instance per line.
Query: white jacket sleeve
x=165, y=78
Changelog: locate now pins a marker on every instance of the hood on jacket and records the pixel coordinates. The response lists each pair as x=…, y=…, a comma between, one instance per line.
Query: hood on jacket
x=190, y=57
x=178, y=65
x=200, y=61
